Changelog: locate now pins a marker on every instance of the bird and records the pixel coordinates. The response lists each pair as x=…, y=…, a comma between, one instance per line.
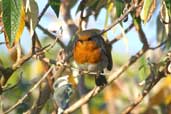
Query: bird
x=92, y=53
x=62, y=93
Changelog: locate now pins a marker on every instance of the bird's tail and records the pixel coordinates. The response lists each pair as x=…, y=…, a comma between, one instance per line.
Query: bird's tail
x=109, y=55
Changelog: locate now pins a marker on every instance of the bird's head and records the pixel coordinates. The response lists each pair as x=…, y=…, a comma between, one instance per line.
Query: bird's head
x=86, y=34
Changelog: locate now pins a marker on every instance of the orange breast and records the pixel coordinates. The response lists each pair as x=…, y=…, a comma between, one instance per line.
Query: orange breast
x=86, y=52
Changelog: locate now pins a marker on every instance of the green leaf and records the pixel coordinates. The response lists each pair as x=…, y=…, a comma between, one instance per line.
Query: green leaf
x=144, y=68
x=13, y=19
x=147, y=10
x=168, y=6
x=119, y=4
x=161, y=34
x=0, y=7
x=55, y=4
x=136, y=21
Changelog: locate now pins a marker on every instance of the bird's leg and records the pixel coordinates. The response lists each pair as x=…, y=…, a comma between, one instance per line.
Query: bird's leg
x=100, y=79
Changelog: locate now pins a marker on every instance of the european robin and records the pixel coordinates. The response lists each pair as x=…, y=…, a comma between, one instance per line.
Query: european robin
x=93, y=54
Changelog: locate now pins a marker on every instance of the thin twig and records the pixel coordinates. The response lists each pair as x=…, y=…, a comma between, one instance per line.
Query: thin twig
x=30, y=91
x=46, y=31
x=22, y=61
x=43, y=11
x=121, y=35
x=158, y=46
x=142, y=37
x=132, y=7
x=3, y=43
x=51, y=35
x=58, y=37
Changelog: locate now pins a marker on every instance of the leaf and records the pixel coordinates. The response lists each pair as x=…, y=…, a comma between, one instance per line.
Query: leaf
x=32, y=14
x=147, y=10
x=166, y=19
x=119, y=4
x=144, y=68
x=92, y=7
x=163, y=94
x=55, y=4
x=109, y=9
x=137, y=22
x=165, y=13
x=168, y=6
x=13, y=19
x=0, y=7
x=161, y=34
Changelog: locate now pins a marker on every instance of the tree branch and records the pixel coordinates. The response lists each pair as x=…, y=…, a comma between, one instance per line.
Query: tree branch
x=131, y=8
x=151, y=81
x=142, y=37
x=121, y=35
x=51, y=35
x=43, y=11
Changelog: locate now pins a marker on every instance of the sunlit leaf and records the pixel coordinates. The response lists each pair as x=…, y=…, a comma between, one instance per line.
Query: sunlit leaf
x=55, y=4
x=147, y=10
x=109, y=9
x=125, y=39
x=13, y=19
x=166, y=19
x=164, y=93
x=165, y=13
x=32, y=14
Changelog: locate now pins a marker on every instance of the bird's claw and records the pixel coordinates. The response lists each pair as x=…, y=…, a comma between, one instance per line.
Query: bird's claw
x=100, y=80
